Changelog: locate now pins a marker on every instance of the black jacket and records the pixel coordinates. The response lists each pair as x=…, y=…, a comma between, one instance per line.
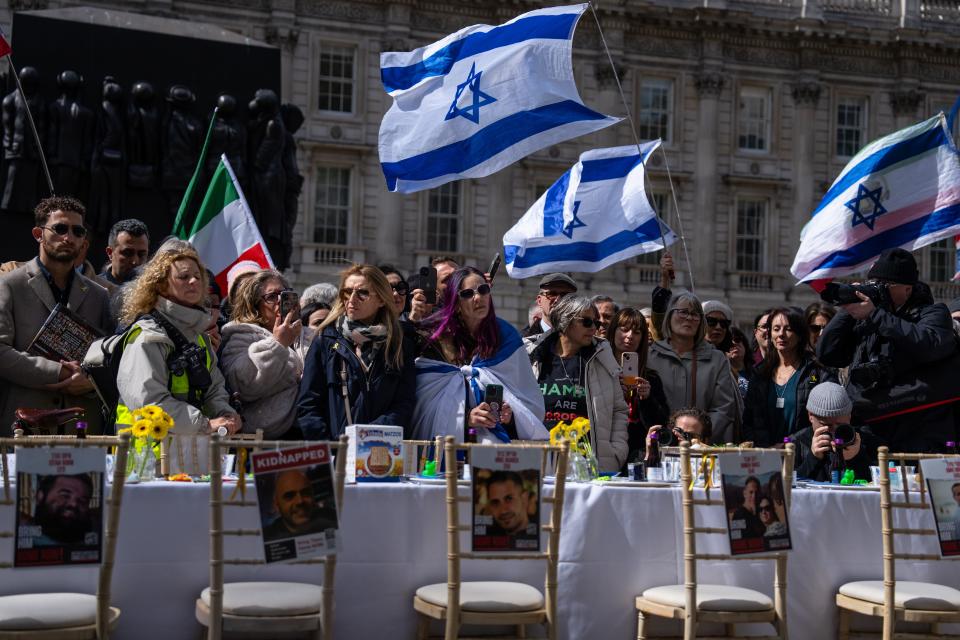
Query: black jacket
x=813, y=468
x=763, y=423
x=917, y=343
x=383, y=395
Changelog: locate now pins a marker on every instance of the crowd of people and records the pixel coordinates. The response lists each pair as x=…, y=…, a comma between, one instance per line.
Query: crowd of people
x=379, y=348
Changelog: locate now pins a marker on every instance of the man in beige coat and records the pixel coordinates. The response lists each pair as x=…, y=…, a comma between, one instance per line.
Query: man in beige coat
x=27, y=295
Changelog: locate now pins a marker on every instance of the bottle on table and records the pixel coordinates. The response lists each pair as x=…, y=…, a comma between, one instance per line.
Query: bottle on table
x=81, y=430
x=952, y=447
x=653, y=458
x=837, y=463
x=463, y=469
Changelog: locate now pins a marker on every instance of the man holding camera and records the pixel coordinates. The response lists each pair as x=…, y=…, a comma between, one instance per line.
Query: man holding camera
x=900, y=347
x=830, y=434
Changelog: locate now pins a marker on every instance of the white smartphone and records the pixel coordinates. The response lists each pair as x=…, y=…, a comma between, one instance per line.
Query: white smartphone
x=630, y=365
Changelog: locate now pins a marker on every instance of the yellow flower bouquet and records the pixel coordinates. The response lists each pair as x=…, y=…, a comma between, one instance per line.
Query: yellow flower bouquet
x=151, y=426
x=583, y=465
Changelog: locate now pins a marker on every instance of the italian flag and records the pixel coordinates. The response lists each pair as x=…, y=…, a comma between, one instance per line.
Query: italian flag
x=224, y=232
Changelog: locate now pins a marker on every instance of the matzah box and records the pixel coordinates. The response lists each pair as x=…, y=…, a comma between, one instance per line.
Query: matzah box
x=375, y=453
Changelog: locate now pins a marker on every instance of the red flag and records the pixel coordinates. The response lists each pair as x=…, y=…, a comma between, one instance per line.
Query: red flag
x=4, y=45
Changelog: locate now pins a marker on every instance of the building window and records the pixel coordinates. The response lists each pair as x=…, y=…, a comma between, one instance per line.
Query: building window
x=754, y=119
x=851, y=126
x=659, y=201
x=942, y=261
x=336, y=78
x=443, y=219
x=656, y=109
x=331, y=209
x=751, y=236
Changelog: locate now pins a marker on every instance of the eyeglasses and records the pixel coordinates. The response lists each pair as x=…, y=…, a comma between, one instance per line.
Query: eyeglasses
x=588, y=323
x=273, y=296
x=467, y=294
x=762, y=328
x=362, y=294
x=61, y=228
x=766, y=507
x=816, y=328
x=401, y=288
x=686, y=314
x=552, y=295
x=722, y=322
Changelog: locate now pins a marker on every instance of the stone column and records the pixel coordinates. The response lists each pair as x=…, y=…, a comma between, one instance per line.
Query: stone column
x=702, y=241
x=806, y=94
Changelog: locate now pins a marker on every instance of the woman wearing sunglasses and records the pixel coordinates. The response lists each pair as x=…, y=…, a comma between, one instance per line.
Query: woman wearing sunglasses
x=359, y=369
x=579, y=378
x=263, y=351
x=693, y=372
x=818, y=315
x=464, y=348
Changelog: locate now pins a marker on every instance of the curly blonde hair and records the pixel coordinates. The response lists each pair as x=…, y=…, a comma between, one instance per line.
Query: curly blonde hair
x=152, y=283
x=246, y=300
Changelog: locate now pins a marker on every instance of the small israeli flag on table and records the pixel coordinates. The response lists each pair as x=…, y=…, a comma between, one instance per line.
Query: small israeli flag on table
x=481, y=99
x=595, y=215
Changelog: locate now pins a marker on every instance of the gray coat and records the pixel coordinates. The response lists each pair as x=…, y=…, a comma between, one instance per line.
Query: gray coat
x=716, y=387
x=25, y=303
x=606, y=408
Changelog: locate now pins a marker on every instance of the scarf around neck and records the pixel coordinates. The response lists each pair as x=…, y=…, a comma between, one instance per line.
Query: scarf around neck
x=370, y=338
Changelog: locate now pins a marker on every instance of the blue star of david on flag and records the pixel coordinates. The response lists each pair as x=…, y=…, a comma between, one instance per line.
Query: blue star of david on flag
x=575, y=223
x=480, y=99
x=866, y=196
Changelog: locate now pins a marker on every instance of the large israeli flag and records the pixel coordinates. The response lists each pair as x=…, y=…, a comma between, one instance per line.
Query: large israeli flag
x=481, y=99
x=902, y=190
x=595, y=215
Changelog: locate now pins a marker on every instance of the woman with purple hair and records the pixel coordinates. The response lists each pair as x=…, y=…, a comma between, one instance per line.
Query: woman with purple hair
x=463, y=348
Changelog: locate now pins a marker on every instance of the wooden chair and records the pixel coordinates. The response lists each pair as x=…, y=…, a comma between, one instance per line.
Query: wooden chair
x=423, y=452
x=493, y=603
x=263, y=609
x=173, y=446
x=66, y=616
x=693, y=602
x=894, y=601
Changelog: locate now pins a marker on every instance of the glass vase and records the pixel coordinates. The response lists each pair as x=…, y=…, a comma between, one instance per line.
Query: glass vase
x=578, y=468
x=142, y=464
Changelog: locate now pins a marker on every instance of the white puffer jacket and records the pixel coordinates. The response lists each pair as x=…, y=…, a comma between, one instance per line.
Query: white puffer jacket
x=265, y=374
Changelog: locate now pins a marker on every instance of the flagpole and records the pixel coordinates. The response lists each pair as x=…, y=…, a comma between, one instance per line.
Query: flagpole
x=178, y=229
x=33, y=127
x=636, y=139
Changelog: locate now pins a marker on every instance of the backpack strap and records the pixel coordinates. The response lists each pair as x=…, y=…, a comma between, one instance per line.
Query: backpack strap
x=187, y=358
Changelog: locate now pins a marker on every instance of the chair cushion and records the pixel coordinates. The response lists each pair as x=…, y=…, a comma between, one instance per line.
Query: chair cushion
x=47, y=611
x=268, y=598
x=488, y=597
x=907, y=595
x=711, y=597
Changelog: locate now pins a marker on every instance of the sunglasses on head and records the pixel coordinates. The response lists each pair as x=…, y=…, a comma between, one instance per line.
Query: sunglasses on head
x=401, y=288
x=467, y=294
x=714, y=322
x=362, y=294
x=588, y=323
x=61, y=228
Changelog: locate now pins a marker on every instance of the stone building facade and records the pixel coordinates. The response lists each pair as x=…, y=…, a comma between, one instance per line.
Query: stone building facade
x=760, y=104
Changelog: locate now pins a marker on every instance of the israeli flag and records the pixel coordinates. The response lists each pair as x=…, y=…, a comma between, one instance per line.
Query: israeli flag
x=481, y=99
x=595, y=215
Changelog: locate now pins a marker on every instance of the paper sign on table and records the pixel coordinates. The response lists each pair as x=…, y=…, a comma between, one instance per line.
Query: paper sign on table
x=943, y=483
x=59, y=506
x=506, y=488
x=298, y=507
x=756, y=509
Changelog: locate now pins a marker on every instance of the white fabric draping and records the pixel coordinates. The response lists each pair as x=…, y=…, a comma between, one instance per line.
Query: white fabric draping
x=616, y=542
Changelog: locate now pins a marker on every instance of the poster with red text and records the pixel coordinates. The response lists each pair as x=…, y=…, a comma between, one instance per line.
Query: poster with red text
x=59, y=506
x=297, y=499
x=943, y=483
x=506, y=499
x=753, y=495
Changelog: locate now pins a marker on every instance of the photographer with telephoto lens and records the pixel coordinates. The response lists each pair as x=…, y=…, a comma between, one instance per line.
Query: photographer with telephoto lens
x=902, y=353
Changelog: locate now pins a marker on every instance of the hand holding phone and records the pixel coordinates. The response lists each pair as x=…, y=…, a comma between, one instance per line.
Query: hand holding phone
x=630, y=366
x=493, y=396
x=289, y=301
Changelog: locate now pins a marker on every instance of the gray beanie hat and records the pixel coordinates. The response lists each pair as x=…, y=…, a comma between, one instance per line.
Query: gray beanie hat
x=716, y=305
x=829, y=400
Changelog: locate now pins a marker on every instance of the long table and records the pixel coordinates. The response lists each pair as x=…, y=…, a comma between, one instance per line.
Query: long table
x=616, y=542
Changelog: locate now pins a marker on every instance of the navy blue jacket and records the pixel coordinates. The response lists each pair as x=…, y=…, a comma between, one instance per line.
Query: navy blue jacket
x=382, y=395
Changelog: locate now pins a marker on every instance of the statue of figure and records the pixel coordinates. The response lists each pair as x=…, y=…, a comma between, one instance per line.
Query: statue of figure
x=292, y=118
x=267, y=179
x=108, y=179
x=228, y=137
x=24, y=176
x=70, y=138
x=143, y=137
x=182, y=141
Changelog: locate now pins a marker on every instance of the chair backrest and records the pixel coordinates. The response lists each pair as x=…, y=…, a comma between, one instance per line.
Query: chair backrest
x=218, y=447
x=552, y=526
x=887, y=505
x=186, y=450
x=426, y=450
x=121, y=445
x=690, y=528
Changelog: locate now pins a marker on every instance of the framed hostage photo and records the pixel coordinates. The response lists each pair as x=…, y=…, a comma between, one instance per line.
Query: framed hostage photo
x=753, y=495
x=298, y=506
x=506, y=488
x=59, y=506
x=943, y=483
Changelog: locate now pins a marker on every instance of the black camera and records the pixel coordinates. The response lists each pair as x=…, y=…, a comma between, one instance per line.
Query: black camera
x=669, y=438
x=876, y=373
x=838, y=293
x=845, y=434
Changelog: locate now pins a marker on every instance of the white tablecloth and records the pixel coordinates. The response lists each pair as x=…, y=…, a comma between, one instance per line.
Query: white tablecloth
x=616, y=542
